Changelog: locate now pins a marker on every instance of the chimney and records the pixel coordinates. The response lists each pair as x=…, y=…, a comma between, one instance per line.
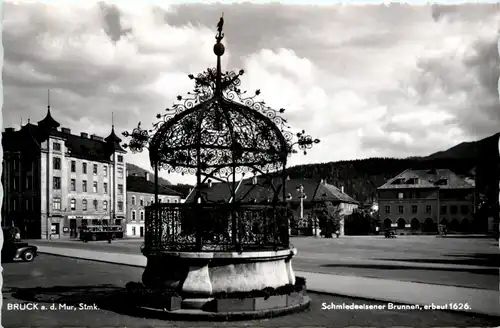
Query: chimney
x=342, y=189
x=66, y=130
x=146, y=175
x=84, y=135
x=322, y=181
x=95, y=137
x=254, y=180
x=209, y=183
x=9, y=130
x=288, y=177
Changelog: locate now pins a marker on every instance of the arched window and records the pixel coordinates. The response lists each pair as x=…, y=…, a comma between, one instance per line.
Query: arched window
x=133, y=200
x=133, y=215
x=415, y=224
x=73, y=204
x=387, y=223
x=465, y=226
x=95, y=204
x=142, y=215
x=401, y=223
x=429, y=225
x=84, y=205
x=141, y=201
x=105, y=205
x=454, y=225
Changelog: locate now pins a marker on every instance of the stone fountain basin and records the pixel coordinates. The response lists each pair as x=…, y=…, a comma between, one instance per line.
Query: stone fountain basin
x=198, y=276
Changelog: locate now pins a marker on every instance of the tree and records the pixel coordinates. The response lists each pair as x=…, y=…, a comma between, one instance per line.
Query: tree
x=329, y=217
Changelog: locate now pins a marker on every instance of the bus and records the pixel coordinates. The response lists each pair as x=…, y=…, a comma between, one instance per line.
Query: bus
x=100, y=232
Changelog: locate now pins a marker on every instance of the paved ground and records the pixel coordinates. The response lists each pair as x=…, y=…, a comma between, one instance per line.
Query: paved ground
x=86, y=281
x=465, y=262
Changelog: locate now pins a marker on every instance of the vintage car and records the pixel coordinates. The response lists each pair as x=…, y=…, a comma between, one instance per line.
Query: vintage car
x=14, y=249
x=390, y=233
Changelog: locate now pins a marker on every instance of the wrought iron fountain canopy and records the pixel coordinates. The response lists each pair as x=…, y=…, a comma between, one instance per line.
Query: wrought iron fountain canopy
x=219, y=132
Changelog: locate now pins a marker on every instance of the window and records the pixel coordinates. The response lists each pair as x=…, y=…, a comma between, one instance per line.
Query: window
x=400, y=195
x=120, y=206
x=133, y=200
x=95, y=169
x=142, y=215
x=56, y=203
x=120, y=159
x=96, y=203
x=133, y=231
x=73, y=185
x=176, y=200
x=29, y=182
x=453, y=209
x=84, y=205
x=120, y=189
x=73, y=166
x=56, y=162
x=94, y=187
x=84, y=185
x=168, y=200
x=464, y=209
x=120, y=172
x=56, y=183
x=105, y=187
x=428, y=208
x=84, y=168
x=133, y=215
x=27, y=204
x=414, y=208
x=105, y=171
x=442, y=210
x=14, y=183
x=105, y=205
x=56, y=146
x=141, y=202
x=72, y=204
x=401, y=209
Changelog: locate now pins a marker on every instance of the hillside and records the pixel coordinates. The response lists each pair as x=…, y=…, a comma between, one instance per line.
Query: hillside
x=361, y=178
x=133, y=169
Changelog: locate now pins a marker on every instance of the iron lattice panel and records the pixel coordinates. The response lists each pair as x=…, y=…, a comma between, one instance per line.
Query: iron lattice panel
x=209, y=227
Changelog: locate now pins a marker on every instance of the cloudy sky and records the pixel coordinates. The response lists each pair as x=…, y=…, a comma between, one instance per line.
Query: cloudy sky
x=369, y=81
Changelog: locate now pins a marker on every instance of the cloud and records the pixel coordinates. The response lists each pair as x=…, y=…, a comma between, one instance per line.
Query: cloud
x=394, y=80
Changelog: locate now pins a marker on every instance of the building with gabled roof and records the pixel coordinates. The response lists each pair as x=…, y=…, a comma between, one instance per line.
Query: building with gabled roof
x=260, y=190
x=419, y=201
x=55, y=181
x=140, y=193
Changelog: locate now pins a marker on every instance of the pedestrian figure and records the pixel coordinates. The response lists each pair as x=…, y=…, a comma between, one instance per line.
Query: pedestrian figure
x=337, y=233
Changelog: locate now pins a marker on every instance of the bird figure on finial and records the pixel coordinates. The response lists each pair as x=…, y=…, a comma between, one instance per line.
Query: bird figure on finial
x=220, y=25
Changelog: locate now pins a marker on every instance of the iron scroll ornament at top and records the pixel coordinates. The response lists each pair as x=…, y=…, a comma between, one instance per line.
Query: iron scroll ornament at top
x=204, y=90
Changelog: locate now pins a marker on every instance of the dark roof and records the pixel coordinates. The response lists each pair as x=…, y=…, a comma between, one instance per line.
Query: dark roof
x=433, y=178
x=263, y=191
x=114, y=140
x=218, y=192
x=48, y=122
x=140, y=184
x=78, y=146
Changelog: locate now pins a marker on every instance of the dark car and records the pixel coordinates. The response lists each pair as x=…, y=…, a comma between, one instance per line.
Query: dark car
x=390, y=233
x=14, y=249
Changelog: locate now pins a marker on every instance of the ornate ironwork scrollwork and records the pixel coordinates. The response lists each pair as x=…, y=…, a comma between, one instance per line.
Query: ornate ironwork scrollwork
x=218, y=130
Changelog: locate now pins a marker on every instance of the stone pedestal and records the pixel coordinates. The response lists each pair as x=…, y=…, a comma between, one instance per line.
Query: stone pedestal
x=200, y=275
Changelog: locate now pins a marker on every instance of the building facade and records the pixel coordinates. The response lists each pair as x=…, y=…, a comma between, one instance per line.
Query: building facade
x=55, y=181
x=314, y=193
x=419, y=201
x=140, y=193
